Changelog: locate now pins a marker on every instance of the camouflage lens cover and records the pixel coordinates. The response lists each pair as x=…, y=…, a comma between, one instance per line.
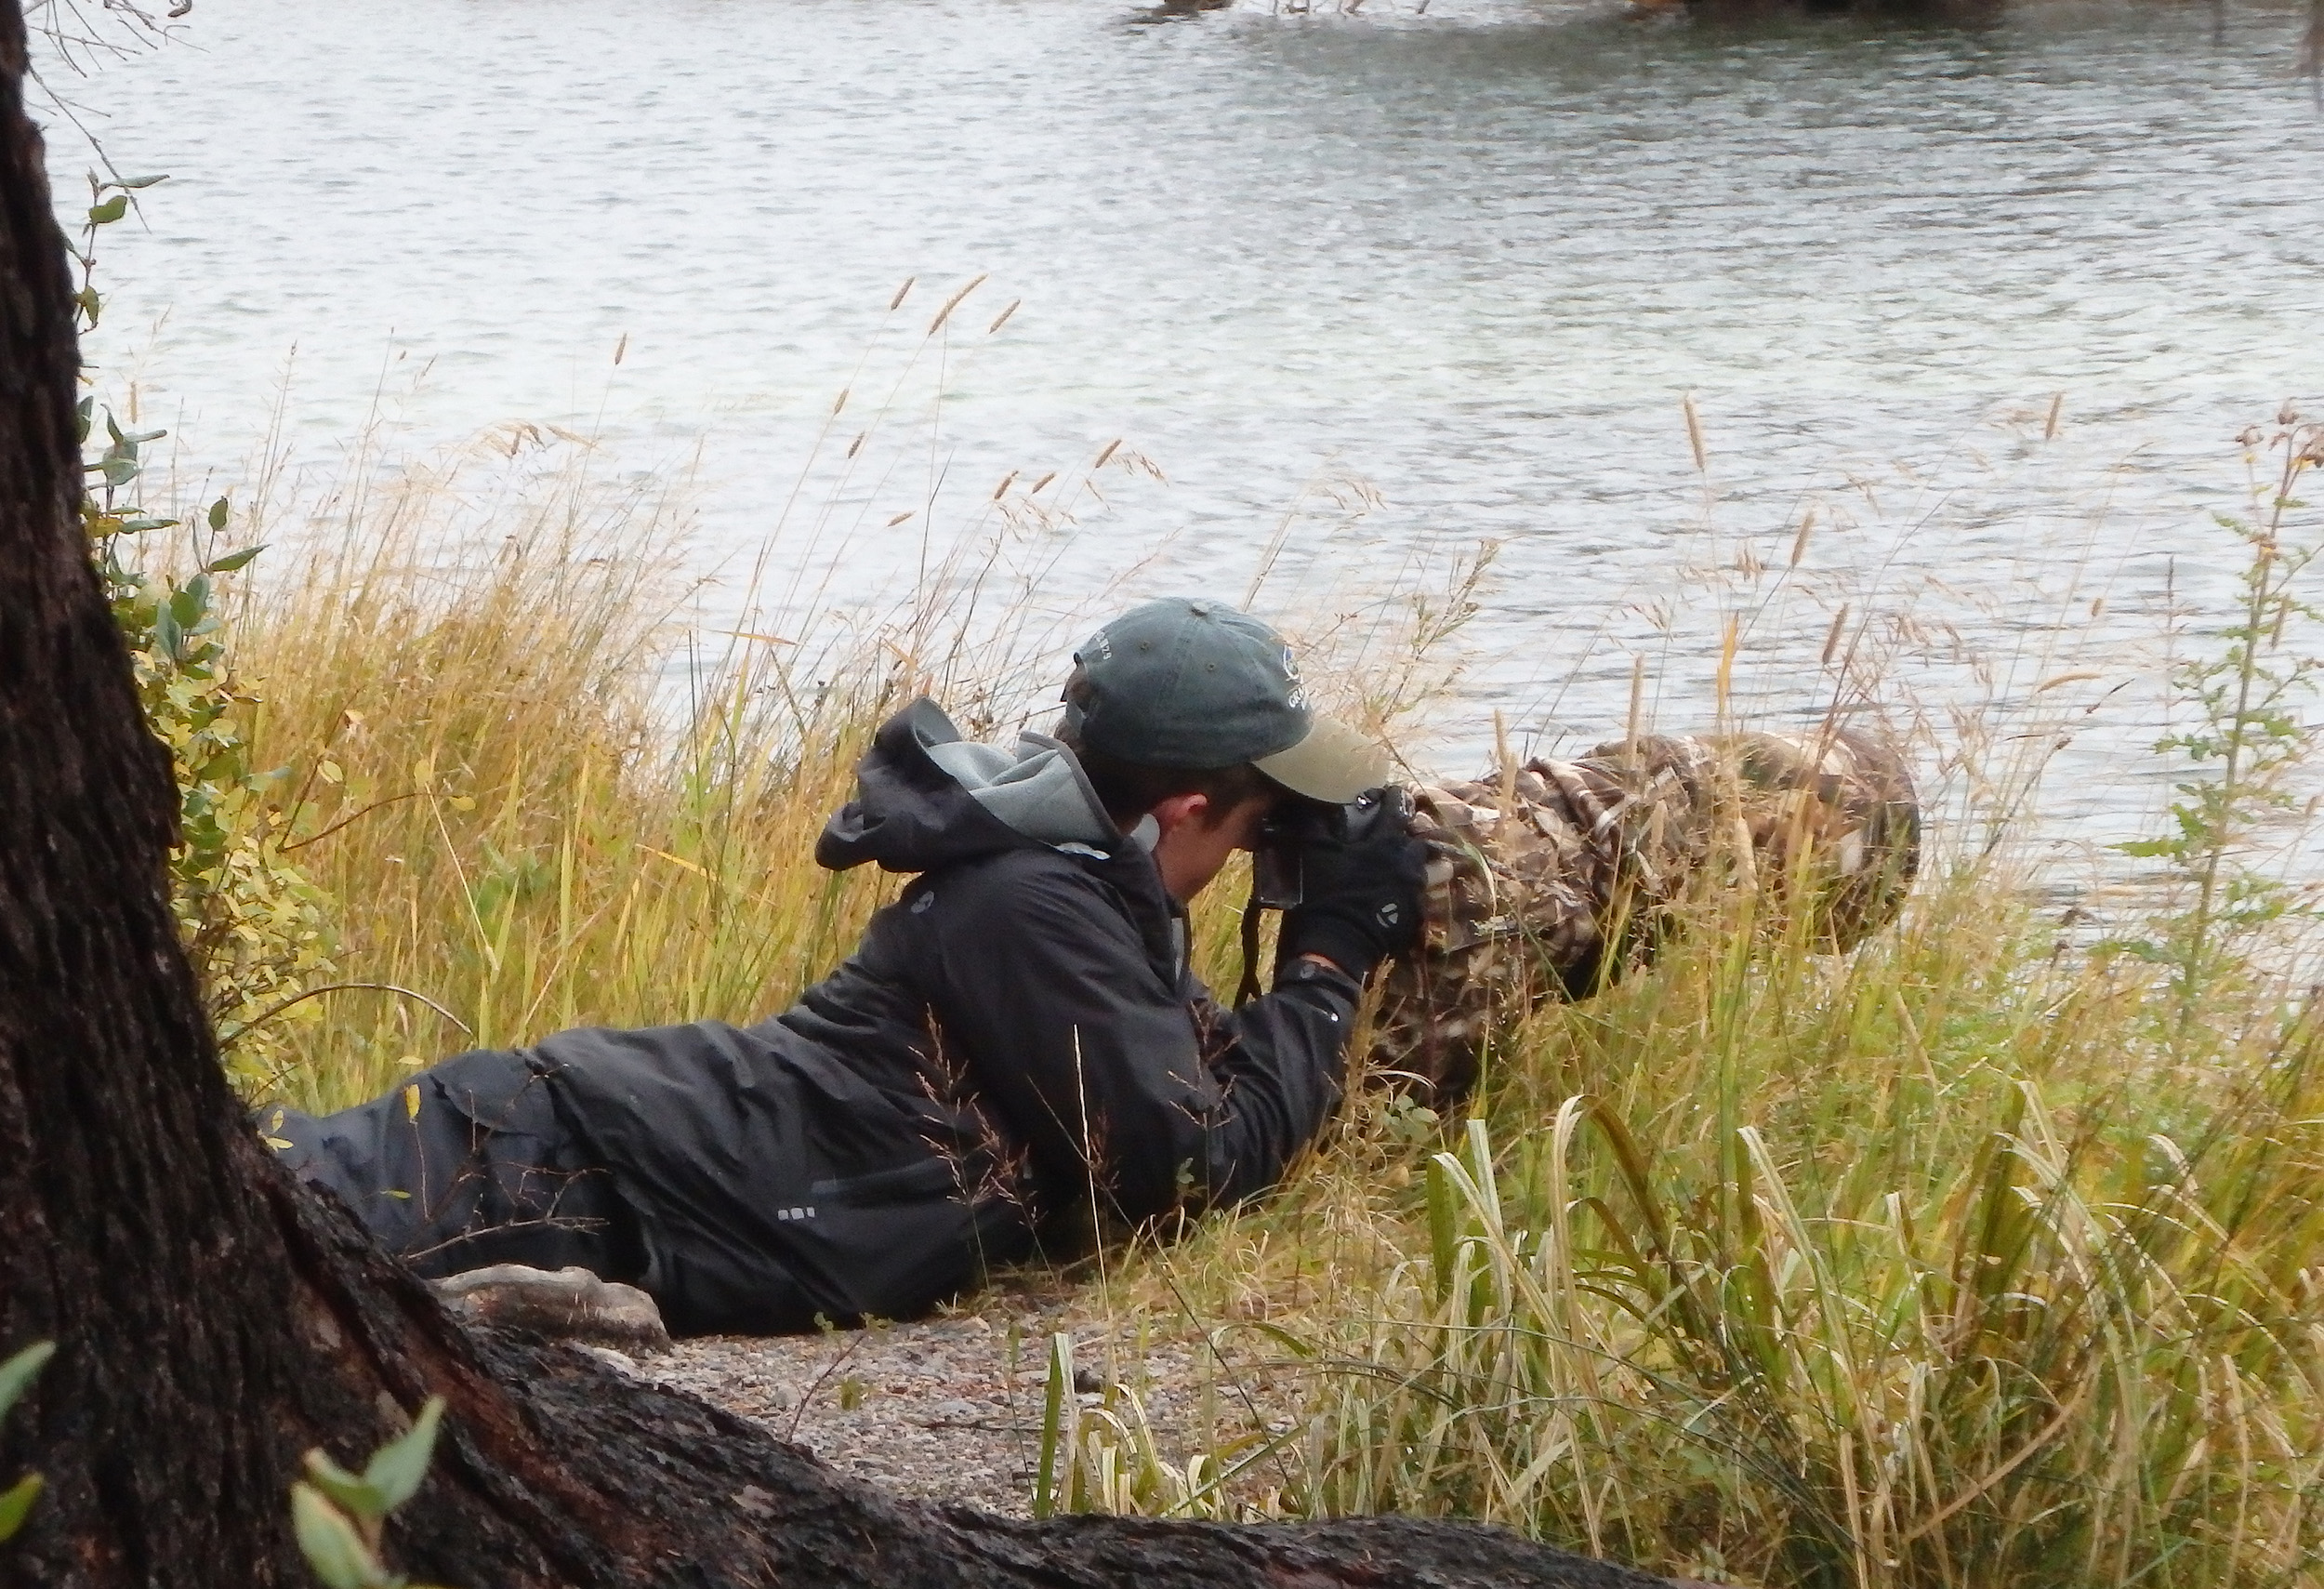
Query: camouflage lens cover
x=1559, y=877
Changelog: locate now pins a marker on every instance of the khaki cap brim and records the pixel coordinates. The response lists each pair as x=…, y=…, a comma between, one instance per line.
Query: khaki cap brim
x=1334, y=764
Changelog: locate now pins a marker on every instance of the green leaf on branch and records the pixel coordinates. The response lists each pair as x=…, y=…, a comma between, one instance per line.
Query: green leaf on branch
x=328, y=1539
x=217, y=516
x=113, y=209
x=16, y=1502
x=127, y=442
x=15, y=1374
x=358, y=1497
x=233, y=559
x=337, y=1516
x=20, y=1370
x=398, y=1468
x=167, y=637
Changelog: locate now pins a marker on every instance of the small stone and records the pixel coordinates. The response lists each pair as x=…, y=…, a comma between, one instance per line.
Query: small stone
x=618, y=1359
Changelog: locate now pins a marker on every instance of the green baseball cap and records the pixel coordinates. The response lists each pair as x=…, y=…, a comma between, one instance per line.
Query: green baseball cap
x=1189, y=682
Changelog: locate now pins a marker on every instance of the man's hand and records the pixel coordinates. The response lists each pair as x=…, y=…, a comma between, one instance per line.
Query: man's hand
x=1361, y=897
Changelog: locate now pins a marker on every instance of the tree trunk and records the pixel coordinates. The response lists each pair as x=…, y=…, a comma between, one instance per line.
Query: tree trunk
x=212, y=1320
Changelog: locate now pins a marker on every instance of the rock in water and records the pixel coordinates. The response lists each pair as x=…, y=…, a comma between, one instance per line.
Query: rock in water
x=572, y=1303
x=1557, y=878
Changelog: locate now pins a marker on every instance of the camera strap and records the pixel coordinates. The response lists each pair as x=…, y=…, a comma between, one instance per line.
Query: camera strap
x=1252, y=911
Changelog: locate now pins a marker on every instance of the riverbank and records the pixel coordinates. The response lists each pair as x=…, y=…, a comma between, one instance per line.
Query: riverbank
x=1981, y=1256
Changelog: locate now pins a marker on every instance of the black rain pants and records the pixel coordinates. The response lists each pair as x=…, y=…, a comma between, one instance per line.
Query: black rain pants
x=472, y=1162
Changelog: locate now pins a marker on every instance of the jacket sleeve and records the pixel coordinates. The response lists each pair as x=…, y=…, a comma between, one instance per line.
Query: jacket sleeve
x=1114, y=1076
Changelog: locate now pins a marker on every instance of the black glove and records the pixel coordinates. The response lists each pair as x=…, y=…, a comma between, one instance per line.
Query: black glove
x=1360, y=882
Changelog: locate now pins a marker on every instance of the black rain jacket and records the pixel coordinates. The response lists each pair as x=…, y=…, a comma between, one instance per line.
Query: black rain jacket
x=1018, y=1038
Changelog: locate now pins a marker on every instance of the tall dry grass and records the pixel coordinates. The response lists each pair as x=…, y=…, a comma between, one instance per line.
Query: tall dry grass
x=533, y=811
x=1939, y=1264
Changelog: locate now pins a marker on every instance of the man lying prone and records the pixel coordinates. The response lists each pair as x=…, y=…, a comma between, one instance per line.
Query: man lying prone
x=1017, y=1040
x=1018, y=1045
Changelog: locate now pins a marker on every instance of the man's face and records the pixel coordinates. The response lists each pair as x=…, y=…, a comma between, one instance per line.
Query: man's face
x=1198, y=838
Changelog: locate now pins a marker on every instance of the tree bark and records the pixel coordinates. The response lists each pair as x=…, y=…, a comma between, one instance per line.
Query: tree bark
x=212, y=1320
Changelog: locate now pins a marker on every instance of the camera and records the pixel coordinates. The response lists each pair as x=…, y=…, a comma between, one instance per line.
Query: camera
x=1278, y=880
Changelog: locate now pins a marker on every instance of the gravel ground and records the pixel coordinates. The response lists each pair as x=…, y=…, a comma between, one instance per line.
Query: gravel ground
x=948, y=1409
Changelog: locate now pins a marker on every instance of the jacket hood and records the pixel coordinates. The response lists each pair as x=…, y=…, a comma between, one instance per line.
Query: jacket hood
x=925, y=796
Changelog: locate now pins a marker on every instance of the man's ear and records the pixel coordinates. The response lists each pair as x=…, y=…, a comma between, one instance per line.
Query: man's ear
x=1179, y=810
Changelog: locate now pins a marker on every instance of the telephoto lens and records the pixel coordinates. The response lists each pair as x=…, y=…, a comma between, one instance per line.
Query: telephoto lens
x=1552, y=880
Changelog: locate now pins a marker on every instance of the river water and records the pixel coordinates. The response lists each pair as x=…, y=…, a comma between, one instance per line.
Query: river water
x=1990, y=302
